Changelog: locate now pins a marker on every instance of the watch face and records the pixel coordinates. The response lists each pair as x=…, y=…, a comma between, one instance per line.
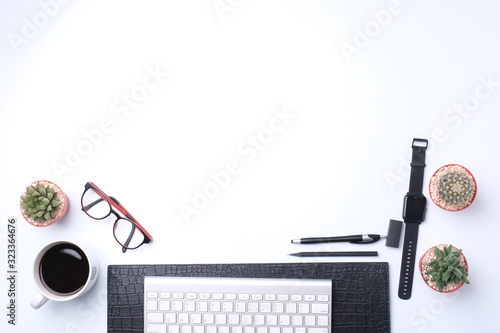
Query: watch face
x=414, y=208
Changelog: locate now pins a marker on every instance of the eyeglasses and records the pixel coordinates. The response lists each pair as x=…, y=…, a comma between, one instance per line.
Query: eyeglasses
x=127, y=231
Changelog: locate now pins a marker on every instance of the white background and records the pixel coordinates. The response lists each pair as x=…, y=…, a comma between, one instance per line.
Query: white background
x=358, y=80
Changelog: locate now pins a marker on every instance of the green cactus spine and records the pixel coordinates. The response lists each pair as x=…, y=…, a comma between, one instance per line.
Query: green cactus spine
x=456, y=188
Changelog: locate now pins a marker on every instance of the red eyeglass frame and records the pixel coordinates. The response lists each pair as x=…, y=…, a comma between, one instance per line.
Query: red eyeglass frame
x=118, y=206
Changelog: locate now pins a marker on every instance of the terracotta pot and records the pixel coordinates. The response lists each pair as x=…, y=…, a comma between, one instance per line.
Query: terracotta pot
x=438, y=180
x=427, y=257
x=62, y=209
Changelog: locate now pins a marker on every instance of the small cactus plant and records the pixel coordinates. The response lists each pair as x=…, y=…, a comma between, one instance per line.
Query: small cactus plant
x=452, y=187
x=446, y=268
x=43, y=203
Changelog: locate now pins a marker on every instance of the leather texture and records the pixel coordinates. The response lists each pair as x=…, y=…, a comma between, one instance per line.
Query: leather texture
x=360, y=290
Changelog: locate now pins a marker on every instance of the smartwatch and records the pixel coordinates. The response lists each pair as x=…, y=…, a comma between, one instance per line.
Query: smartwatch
x=413, y=214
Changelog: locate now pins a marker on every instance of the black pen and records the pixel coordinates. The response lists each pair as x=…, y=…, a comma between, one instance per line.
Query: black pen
x=336, y=254
x=359, y=239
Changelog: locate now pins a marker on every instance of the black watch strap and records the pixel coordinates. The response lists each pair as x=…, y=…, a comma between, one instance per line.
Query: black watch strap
x=408, y=260
x=419, y=147
x=417, y=164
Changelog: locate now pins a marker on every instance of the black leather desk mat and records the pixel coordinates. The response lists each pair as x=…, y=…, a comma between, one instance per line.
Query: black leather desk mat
x=360, y=290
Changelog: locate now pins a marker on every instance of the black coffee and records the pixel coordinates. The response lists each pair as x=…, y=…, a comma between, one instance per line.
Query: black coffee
x=64, y=269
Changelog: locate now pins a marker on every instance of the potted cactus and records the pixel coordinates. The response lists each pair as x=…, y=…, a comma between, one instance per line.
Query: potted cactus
x=444, y=268
x=452, y=187
x=43, y=203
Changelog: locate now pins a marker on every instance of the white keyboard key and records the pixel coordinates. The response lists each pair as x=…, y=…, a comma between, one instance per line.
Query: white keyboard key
x=208, y=318
x=236, y=329
x=283, y=297
x=183, y=318
x=165, y=305
x=304, y=308
x=156, y=329
x=278, y=307
x=244, y=297
x=322, y=320
x=234, y=319
x=262, y=329
x=240, y=307
x=221, y=319
x=319, y=308
x=246, y=319
x=300, y=330
x=177, y=306
x=218, y=296
x=253, y=307
x=211, y=329
x=296, y=298
x=317, y=330
x=195, y=318
x=310, y=298
x=257, y=297
x=270, y=297
x=259, y=319
x=174, y=329
x=323, y=298
x=202, y=306
x=224, y=329
x=170, y=318
x=152, y=305
x=309, y=320
x=284, y=320
x=287, y=330
x=274, y=330
x=249, y=329
x=186, y=329
x=231, y=296
x=291, y=308
x=189, y=306
x=215, y=306
x=191, y=295
x=204, y=296
x=152, y=294
x=297, y=321
x=265, y=307
x=199, y=329
x=271, y=320
x=178, y=295
x=154, y=317
x=165, y=294
x=227, y=307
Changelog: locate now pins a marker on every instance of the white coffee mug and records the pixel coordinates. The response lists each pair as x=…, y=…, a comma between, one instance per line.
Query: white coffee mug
x=63, y=271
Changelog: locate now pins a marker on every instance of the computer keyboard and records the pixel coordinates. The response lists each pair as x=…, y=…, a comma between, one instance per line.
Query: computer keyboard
x=237, y=305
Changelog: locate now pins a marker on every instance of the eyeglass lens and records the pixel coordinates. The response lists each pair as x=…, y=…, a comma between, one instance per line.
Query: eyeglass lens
x=94, y=205
x=126, y=232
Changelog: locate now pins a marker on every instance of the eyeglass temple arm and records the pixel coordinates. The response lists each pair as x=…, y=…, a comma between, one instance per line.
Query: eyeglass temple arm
x=127, y=242
x=122, y=209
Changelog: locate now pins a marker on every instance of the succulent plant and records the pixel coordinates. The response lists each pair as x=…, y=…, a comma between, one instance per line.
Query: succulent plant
x=456, y=188
x=447, y=267
x=39, y=202
x=452, y=187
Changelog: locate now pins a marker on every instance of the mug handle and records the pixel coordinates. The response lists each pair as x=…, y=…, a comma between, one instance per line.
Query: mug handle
x=38, y=301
